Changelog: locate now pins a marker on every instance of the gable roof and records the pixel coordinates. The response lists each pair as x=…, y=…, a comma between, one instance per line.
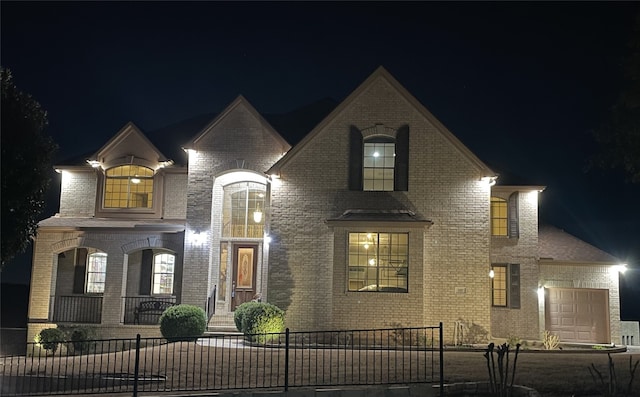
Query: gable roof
x=558, y=245
x=128, y=133
x=239, y=101
x=381, y=73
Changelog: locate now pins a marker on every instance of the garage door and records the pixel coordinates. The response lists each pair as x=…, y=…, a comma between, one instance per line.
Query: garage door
x=578, y=315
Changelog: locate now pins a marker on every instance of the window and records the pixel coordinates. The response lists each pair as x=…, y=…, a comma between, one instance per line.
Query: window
x=96, y=273
x=378, y=262
x=498, y=216
x=379, y=159
x=163, y=270
x=243, y=210
x=128, y=186
x=505, y=286
x=378, y=165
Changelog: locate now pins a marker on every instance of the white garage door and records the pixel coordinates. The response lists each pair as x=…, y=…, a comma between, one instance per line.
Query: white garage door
x=578, y=315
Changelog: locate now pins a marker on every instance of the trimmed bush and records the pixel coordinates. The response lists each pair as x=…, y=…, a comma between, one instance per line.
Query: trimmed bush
x=49, y=338
x=82, y=338
x=240, y=313
x=262, y=319
x=183, y=322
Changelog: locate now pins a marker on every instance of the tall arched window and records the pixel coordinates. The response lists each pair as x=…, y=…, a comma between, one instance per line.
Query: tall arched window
x=128, y=186
x=243, y=210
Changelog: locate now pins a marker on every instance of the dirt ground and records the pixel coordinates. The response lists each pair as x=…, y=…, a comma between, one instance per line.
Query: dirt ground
x=189, y=366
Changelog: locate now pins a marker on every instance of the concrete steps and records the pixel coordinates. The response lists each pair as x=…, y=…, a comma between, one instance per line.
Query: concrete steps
x=222, y=324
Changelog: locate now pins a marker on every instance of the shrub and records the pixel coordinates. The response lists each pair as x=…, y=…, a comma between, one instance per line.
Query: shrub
x=49, y=338
x=240, y=312
x=81, y=338
x=183, y=322
x=550, y=341
x=262, y=319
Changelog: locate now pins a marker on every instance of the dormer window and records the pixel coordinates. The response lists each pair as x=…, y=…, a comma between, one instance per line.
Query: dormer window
x=128, y=186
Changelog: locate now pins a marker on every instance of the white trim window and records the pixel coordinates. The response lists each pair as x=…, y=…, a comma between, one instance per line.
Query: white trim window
x=164, y=266
x=96, y=273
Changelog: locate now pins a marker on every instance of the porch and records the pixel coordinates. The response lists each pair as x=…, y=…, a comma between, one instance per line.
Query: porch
x=87, y=309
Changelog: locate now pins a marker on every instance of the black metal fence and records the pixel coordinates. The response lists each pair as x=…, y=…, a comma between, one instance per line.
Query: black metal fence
x=269, y=361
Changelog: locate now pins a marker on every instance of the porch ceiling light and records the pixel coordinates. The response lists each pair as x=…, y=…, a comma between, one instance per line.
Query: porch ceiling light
x=257, y=214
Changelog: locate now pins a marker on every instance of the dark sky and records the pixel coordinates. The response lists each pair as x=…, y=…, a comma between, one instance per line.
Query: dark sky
x=522, y=84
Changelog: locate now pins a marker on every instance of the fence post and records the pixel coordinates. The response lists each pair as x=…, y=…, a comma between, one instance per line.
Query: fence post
x=136, y=368
x=286, y=360
x=441, y=361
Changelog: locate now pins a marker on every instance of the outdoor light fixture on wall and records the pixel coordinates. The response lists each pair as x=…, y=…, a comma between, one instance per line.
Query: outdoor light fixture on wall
x=492, y=273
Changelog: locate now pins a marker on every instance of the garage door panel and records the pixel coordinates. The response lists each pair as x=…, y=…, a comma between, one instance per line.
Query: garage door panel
x=578, y=315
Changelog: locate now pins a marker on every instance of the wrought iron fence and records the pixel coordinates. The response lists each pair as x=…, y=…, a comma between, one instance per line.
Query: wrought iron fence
x=268, y=361
x=77, y=309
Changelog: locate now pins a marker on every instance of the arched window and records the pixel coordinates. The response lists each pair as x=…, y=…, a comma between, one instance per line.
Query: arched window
x=243, y=210
x=128, y=186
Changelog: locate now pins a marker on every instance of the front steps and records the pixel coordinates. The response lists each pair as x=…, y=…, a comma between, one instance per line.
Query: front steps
x=222, y=324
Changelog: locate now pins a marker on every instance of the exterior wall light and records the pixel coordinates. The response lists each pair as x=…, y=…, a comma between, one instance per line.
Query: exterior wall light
x=197, y=237
x=94, y=163
x=267, y=239
x=492, y=273
x=618, y=269
x=489, y=180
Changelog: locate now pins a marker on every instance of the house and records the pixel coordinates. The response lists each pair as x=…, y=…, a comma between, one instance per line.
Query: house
x=379, y=216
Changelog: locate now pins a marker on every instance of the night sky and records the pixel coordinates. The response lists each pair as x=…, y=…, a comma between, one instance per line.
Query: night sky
x=521, y=84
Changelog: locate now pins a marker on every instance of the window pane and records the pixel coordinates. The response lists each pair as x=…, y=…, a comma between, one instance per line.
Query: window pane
x=499, y=285
x=128, y=186
x=498, y=216
x=96, y=272
x=240, y=204
x=163, y=271
x=378, y=262
x=378, y=165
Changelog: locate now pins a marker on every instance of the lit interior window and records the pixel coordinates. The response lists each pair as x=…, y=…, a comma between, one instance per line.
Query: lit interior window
x=498, y=216
x=378, y=262
x=128, y=186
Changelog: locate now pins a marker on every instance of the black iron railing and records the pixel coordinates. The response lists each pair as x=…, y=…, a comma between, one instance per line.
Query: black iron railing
x=269, y=361
x=211, y=302
x=133, y=314
x=77, y=309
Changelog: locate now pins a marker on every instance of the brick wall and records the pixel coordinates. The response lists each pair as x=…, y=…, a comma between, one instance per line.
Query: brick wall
x=78, y=193
x=523, y=322
x=307, y=258
x=238, y=141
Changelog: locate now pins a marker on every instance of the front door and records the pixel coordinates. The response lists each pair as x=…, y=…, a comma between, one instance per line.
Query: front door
x=243, y=287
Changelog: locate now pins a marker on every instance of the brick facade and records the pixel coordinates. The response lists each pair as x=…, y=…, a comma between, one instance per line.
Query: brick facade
x=304, y=267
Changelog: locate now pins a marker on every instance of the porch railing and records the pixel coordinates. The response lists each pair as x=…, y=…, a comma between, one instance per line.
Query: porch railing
x=77, y=309
x=145, y=318
x=222, y=362
x=211, y=302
